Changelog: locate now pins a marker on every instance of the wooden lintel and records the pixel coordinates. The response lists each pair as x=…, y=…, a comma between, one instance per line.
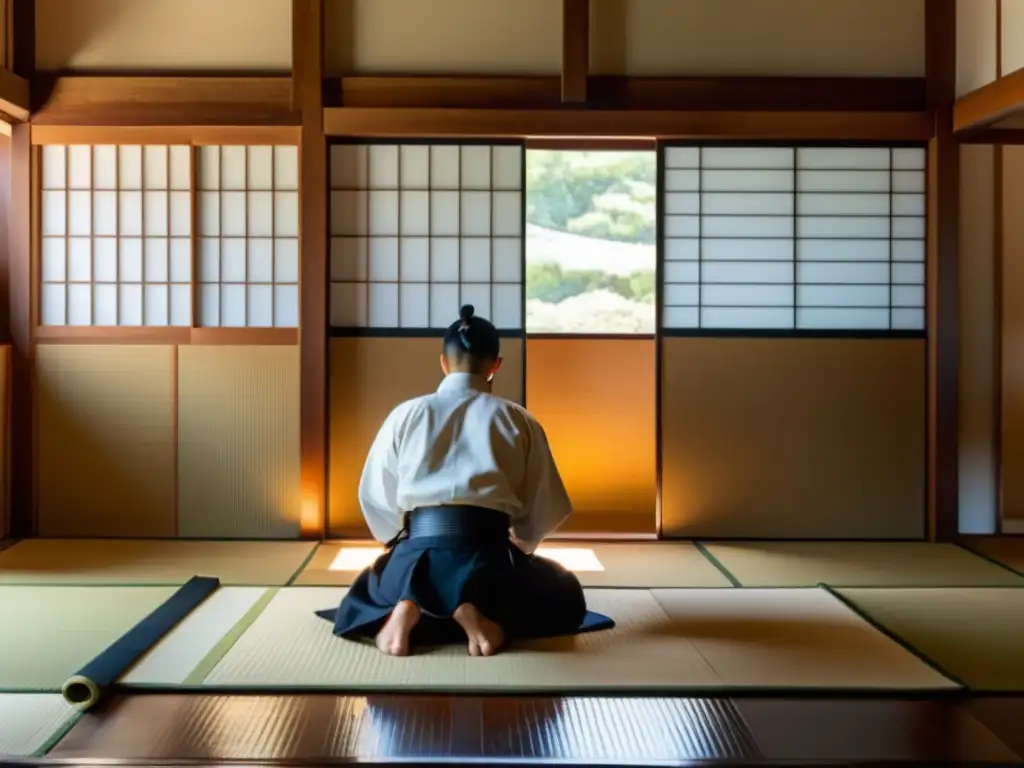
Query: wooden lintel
x=196, y=135
x=14, y=96
x=518, y=123
x=575, y=50
x=989, y=104
x=163, y=101
x=854, y=94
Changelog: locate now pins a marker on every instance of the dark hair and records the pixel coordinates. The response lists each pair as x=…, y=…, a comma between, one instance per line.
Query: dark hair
x=472, y=338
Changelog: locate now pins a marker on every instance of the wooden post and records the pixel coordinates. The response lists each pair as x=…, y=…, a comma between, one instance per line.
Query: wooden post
x=307, y=96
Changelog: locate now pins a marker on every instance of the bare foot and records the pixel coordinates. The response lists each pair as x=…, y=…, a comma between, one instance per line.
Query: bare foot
x=485, y=637
x=393, y=638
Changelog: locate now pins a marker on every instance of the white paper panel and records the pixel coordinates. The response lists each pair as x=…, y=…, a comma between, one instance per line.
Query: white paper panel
x=444, y=261
x=286, y=306
x=507, y=309
x=440, y=222
x=754, y=318
x=104, y=166
x=713, y=295
x=79, y=259
x=248, y=218
x=106, y=219
x=747, y=158
x=415, y=167
x=821, y=238
x=286, y=168
x=414, y=260
x=765, y=203
x=54, y=167
x=843, y=319
x=681, y=295
x=684, y=271
x=760, y=272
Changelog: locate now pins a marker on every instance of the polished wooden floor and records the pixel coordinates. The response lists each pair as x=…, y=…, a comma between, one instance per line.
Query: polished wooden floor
x=328, y=729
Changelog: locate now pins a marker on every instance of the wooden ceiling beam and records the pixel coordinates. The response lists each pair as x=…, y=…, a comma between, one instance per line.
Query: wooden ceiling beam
x=386, y=122
x=881, y=94
x=163, y=101
x=990, y=104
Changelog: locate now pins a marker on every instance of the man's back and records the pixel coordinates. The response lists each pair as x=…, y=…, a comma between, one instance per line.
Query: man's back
x=462, y=445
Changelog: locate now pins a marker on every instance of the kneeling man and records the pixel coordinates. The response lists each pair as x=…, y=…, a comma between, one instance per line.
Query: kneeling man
x=462, y=487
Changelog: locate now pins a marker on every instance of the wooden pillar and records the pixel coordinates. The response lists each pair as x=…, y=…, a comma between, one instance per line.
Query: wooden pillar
x=19, y=253
x=307, y=97
x=943, y=275
x=575, y=50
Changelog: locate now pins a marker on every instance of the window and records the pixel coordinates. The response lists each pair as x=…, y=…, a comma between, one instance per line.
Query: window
x=116, y=246
x=794, y=238
x=590, y=241
x=418, y=230
x=248, y=220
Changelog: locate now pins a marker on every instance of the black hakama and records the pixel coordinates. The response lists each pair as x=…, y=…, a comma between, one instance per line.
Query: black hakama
x=447, y=556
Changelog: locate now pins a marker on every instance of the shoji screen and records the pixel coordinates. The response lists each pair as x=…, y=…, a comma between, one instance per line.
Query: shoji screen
x=116, y=236
x=793, y=357
x=794, y=238
x=417, y=230
x=248, y=220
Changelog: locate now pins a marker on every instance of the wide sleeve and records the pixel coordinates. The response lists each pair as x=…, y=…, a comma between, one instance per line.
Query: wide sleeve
x=378, y=486
x=546, y=503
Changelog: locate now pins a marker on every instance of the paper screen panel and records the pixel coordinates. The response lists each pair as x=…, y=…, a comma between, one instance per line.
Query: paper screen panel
x=116, y=236
x=248, y=220
x=417, y=230
x=794, y=238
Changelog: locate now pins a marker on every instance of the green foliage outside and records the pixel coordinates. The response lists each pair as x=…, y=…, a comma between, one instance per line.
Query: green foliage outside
x=548, y=282
x=610, y=195
x=603, y=195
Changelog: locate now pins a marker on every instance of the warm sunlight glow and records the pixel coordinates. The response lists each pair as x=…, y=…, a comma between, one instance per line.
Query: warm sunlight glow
x=355, y=558
x=576, y=559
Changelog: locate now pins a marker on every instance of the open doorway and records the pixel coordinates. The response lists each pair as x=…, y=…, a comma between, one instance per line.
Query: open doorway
x=591, y=222
x=590, y=318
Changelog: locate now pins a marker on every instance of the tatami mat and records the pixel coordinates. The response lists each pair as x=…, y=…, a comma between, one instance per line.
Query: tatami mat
x=792, y=638
x=31, y=722
x=976, y=635
x=684, y=639
x=1008, y=550
x=174, y=658
x=150, y=561
x=857, y=564
x=49, y=633
x=625, y=565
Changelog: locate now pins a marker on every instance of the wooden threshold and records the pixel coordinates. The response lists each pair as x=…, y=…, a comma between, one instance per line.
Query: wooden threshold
x=517, y=123
x=163, y=101
x=176, y=336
